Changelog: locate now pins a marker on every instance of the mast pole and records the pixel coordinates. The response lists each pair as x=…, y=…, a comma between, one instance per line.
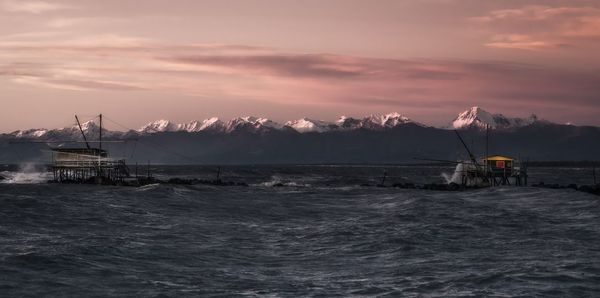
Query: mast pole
x=82, y=133
x=100, y=139
x=473, y=159
x=471, y=156
x=487, y=147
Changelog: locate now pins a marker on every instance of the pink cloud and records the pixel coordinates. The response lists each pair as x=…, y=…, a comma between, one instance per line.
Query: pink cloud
x=244, y=72
x=524, y=42
x=35, y=7
x=536, y=27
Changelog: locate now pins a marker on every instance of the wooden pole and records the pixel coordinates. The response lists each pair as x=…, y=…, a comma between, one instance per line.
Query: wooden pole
x=383, y=178
x=82, y=133
x=487, y=148
x=100, y=135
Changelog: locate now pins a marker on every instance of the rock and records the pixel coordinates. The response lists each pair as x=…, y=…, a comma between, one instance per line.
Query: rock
x=454, y=186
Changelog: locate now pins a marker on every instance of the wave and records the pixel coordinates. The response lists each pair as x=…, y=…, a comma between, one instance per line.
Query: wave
x=28, y=173
x=277, y=181
x=459, y=172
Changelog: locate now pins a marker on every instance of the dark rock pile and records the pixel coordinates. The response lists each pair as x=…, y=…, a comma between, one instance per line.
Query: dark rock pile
x=593, y=189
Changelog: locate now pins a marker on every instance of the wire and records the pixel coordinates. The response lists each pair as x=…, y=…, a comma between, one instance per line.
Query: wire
x=157, y=146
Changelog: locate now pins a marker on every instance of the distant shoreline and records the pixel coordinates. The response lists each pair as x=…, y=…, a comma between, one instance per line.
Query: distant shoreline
x=581, y=163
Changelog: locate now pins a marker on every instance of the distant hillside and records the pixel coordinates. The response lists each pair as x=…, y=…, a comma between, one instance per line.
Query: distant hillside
x=398, y=143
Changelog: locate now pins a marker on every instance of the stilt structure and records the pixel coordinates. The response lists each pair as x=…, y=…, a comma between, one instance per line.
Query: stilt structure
x=87, y=165
x=490, y=170
x=504, y=170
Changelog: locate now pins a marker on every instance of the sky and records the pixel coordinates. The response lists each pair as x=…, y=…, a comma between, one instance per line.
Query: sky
x=139, y=61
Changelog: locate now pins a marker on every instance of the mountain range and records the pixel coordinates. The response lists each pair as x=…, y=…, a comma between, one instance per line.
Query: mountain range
x=390, y=138
x=473, y=118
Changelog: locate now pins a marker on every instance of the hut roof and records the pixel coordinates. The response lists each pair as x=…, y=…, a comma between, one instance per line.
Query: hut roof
x=498, y=157
x=82, y=151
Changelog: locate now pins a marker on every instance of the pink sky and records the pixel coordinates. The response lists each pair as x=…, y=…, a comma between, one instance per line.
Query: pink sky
x=138, y=61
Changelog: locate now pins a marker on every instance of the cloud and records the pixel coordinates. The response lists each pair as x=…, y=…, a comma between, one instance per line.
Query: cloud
x=75, y=85
x=524, y=42
x=537, y=27
x=538, y=13
x=246, y=72
x=312, y=66
x=35, y=7
x=318, y=66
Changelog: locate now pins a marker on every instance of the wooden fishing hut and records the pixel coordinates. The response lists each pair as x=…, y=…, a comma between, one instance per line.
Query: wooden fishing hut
x=87, y=165
x=491, y=170
x=501, y=169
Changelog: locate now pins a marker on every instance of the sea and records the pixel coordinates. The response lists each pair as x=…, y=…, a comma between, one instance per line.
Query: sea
x=298, y=231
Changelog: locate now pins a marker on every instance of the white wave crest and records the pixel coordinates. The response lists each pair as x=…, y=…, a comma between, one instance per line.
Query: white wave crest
x=28, y=173
x=278, y=181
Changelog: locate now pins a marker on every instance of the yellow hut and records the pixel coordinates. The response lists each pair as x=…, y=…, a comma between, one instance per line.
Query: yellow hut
x=499, y=163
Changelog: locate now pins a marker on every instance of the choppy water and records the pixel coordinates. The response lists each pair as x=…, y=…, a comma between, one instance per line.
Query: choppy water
x=323, y=235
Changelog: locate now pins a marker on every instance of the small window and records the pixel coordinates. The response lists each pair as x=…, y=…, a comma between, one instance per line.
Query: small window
x=500, y=164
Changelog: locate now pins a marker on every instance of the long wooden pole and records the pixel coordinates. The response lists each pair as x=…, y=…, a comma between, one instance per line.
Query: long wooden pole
x=82, y=133
x=100, y=138
x=487, y=148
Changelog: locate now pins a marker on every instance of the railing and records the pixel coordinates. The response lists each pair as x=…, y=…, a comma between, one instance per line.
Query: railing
x=87, y=163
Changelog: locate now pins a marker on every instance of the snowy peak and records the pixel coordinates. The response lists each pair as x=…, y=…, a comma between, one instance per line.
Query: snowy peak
x=30, y=133
x=211, y=124
x=478, y=118
x=376, y=122
x=159, y=126
x=394, y=119
x=474, y=117
x=345, y=122
x=90, y=128
x=251, y=124
x=309, y=125
x=386, y=121
x=215, y=125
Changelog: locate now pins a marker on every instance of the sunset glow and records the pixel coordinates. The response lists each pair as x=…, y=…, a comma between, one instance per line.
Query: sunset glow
x=429, y=60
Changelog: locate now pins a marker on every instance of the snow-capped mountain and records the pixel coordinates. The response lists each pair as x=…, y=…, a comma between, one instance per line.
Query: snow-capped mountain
x=30, y=133
x=215, y=125
x=474, y=118
x=385, y=121
x=160, y=126
x=256, y=124
x=478, y=118
x=374, y=122
x=211, y=124
x=309, y=125
x=345, y=122
x=251, y=124
x=90, y=128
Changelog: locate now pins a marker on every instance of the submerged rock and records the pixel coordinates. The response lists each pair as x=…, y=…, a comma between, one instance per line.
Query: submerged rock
x=593, y=189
